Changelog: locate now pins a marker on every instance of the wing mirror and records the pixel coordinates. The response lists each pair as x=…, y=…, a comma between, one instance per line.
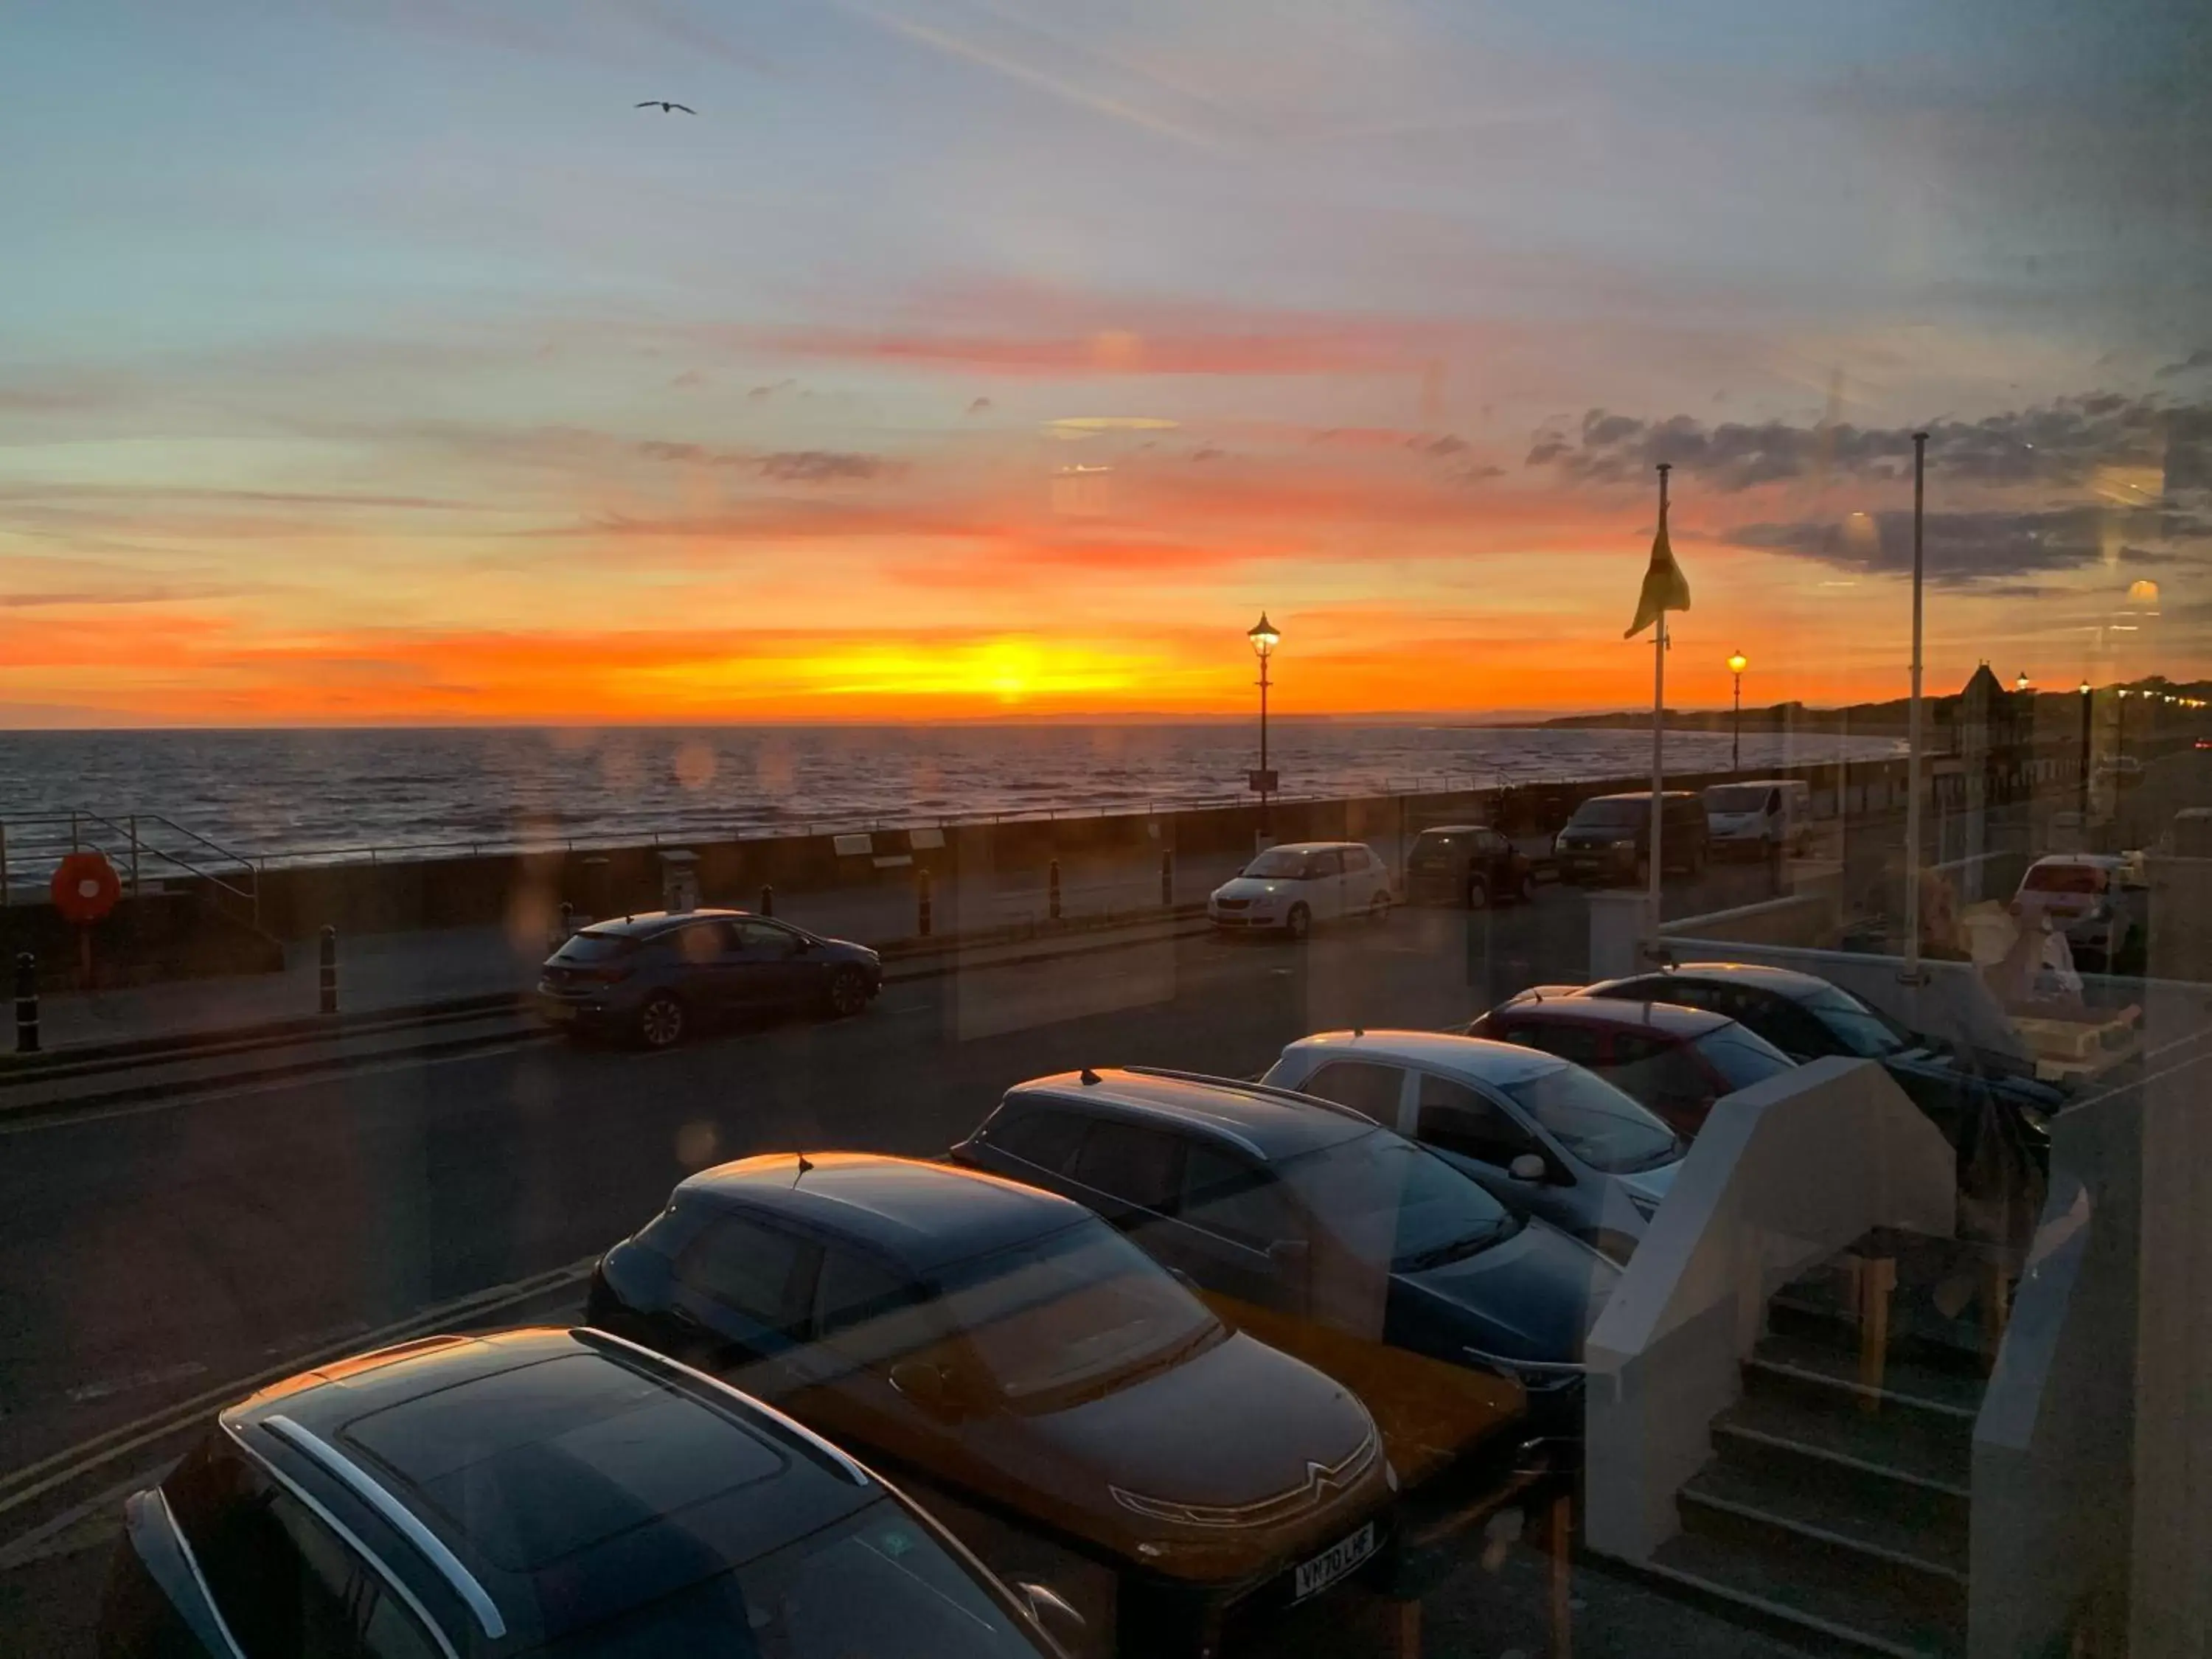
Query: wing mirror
x=1051, y=1610
x=1527, y=1167
x=930, y=1386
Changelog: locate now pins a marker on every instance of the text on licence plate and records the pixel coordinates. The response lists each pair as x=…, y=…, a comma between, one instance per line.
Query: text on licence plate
x=1333, y=1562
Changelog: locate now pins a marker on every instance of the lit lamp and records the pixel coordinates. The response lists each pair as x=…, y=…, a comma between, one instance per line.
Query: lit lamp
x=1264, y=640
x=1736, y=664
x=2023, y=682
x=2084, y=782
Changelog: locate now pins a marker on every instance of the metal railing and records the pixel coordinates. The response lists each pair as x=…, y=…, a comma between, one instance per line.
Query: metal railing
x=138, y=844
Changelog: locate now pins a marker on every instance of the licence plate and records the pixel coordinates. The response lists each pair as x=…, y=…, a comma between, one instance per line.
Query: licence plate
x=560, y=1011
x=1333, y=1562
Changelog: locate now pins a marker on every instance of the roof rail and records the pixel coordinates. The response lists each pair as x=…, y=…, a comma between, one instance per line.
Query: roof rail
x=1244, y=1086
x=807, y=1441
x=396, y=1515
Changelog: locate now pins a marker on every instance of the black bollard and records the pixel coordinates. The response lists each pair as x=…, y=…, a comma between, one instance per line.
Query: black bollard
x=568, y=919
x=1052, y=889
x=1167, y=878
x=26, y=1004
x=921, y=892
x=768, y=900
x=329, y=970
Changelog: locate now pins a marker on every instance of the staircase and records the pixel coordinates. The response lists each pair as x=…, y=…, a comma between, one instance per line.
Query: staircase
x=1834, y=1507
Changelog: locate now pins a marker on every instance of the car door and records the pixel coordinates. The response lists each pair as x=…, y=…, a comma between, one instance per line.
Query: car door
x=1482, y=1136
x=740, y=1299
x=1364, y=882
x=1328, y=884
x=771, y=968
x=866, y=1318
x=710, y=971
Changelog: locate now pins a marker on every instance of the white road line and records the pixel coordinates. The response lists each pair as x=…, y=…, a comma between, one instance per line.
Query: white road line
x=88, y=1392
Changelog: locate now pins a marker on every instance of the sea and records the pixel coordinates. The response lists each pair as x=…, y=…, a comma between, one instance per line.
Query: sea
x=313, y=795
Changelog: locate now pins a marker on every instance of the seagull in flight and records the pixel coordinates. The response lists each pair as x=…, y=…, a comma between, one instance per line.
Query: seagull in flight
x=665, y=108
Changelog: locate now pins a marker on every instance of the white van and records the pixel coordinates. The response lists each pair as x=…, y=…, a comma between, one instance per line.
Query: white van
x=1763, y=816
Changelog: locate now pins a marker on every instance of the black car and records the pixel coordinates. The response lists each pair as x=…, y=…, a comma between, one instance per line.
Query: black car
x=1468, y=863
x=655, y=977
x=537, y=1492
x=1330, y=1237
x=1608, y=839
x=1007, y=1349
x=1807, y=1017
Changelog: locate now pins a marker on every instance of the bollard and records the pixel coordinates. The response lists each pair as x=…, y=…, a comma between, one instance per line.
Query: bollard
x=1052, y=889
x=921, y=891
x=1167, y=879
x=768, y=900
x=329, y=970
x=26, y=1004
x=568, y=919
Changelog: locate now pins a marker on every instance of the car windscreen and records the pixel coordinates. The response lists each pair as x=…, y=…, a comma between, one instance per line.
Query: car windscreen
x=1077, y=1309
x=587, y=948
x=1281, y=864
x=876, y=1585
x=1741, y=1056
x=1736, y=797
x=1441, y=840
x=1384, y=1198
x=1860, y=1029
x=1610, y=815
x=1597, y=1124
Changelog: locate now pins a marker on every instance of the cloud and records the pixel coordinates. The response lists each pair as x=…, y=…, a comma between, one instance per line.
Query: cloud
x=824, y=465
x=759, y=394
x=2065, y=441
x=688, y=380
x=2200, y=358
x=1966, y=550
x=979, y=406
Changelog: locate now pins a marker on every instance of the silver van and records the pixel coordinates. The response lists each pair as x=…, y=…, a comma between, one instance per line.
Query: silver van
x=1765, y=816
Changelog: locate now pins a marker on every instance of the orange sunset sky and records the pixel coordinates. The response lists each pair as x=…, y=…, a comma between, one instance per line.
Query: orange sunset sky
x=958, y=363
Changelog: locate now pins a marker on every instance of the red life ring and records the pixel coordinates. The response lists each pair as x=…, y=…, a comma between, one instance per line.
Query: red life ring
x=85, y=888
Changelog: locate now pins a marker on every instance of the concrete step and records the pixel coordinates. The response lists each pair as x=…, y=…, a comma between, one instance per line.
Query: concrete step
x=1802, y=1529
x=1814, y=1612
x=1819, y=1375
x=1891, y=1466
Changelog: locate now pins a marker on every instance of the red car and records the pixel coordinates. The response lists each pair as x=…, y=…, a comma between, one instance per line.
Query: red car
x=1675, y=1060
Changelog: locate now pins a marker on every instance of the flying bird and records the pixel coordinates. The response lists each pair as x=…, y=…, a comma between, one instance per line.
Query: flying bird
x=665, y=108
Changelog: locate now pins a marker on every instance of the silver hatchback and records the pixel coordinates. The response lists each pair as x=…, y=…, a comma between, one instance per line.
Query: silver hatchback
x=1543, y=1135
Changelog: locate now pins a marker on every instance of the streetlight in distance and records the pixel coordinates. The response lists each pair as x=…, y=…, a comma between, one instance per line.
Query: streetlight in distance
x=1265, y=639
x=2084, y=689
x=1737, y=663
x=2023, y=681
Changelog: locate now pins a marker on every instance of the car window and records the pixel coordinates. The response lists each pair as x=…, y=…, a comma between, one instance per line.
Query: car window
x=1362, y=1085
x=1583, y=1044
x=1282, y=864
x=1742, y=1057
x=854, y=1291
x=1240, y=1201
x=764, y=937
x=1653, y=1069
x=1046, y=1139
x=1596, y=1121
x=1357, y=859
x=1851, y=1026
x=757, y=1272
x=1137, y=1165
x=1774, y=800
x=1329, y=861
x=701, y=941
x=1454, y=1118
x=586, y=949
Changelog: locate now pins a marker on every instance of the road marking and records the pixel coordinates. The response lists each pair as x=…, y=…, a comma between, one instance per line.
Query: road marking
x=20, y=1486
x=114, y=1385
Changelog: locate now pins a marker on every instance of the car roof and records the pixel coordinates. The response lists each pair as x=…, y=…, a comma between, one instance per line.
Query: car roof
x=2089, y=860
x=1270, y=1123
x=1451, y=828
x=1756, y=783
x=645, y=924
x=924, y=1216
x=1783, y=982
x=1480, y=1058
x=1671, y=1018
x=1311, y=846
x=543, y=1457
x=1641, y=795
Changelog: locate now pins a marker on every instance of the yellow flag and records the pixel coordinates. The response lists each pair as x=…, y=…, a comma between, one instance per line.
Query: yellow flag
x=1664, y=586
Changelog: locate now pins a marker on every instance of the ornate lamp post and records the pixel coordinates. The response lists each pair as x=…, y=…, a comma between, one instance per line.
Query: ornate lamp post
x=1265, y=639
x=1736, y=664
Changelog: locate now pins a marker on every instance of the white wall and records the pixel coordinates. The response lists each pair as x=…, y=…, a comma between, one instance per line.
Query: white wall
x=1783, y=1175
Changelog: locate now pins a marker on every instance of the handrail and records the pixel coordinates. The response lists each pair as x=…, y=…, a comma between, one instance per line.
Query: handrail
x=242, y=884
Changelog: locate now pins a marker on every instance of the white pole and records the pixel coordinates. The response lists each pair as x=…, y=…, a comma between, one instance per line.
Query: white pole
x=1658, y=743
x=1912, y=732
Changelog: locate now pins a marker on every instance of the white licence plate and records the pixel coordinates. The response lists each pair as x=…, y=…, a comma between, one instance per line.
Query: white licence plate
x=1333, y=1562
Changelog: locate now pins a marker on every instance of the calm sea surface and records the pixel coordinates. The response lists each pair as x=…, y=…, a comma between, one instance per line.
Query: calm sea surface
x=289, y=795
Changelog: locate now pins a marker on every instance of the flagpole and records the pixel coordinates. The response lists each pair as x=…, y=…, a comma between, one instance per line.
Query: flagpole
x=1658, y=740
x=1912, y=729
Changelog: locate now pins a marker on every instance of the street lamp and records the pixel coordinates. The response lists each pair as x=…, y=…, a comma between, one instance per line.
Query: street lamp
x=2023, y=682
x=2084, y=689
x=1737, y=663
x=1264, y=640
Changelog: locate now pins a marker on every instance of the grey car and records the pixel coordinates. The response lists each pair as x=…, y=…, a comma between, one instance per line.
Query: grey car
x=1546, y=1137
x=656, y=977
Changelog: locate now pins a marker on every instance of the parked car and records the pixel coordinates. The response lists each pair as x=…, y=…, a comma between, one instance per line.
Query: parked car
x=1608, y=839
x=1676, y=1060
x=1545, y=1137
x=538, y=1491
x=656, y=977
x=1333, y=1239
x=2189, y=835
x=1467, y=864
x=1807, y=1018
x=1009, y=1349
x=2087, y=897
x=1288, y=889
x=1766, y=817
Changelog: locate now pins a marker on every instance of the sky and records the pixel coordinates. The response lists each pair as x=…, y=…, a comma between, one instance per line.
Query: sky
x=969, y=359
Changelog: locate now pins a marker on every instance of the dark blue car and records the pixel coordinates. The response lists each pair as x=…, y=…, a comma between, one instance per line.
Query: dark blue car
x=656, y=977
x=1329, y=1236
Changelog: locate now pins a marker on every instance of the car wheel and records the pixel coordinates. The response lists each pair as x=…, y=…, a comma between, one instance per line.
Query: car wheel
x=1477, y=894
x=1299, y=922
x=660, y=1021
x=1528, y=888
x=849, y=993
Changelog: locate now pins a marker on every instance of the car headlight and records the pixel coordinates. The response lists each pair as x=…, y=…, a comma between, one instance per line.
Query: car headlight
x=1623, y=846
